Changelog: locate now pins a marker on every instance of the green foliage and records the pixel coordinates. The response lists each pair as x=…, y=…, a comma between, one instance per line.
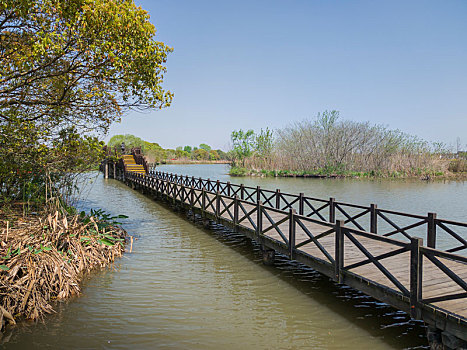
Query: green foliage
x=68, y=70
x=213, y=155
x=206, y=147
x=238, y=171
x=201, y=154
x=179, y=153
x=151, y=149
x=84, y=61
x=187, y=149
x=243, y=143
x=103, y=221
x=264, y=143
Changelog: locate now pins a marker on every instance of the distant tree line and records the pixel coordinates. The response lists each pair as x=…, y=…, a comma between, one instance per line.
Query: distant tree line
x=156, y=154
x=329, y=145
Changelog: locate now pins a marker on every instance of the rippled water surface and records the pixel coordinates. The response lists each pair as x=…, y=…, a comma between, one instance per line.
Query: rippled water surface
x=187, y=287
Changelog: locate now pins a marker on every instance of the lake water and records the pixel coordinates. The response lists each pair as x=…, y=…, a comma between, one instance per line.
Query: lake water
x=186, y=287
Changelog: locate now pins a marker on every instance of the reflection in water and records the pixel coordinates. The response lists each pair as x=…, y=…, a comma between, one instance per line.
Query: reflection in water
x=186, y=287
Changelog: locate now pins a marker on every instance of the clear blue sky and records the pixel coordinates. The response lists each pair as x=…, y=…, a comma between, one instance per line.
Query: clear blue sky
x=256, y=64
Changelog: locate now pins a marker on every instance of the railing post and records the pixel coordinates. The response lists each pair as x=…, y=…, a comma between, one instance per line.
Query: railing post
x=228, y=188
x=203, y=202
x=218, y=205
x=301, y=204
x=332, y=210
x=416, y=278
x=192, y=199
x=278, y=198
x=258, y=194
x=192, y=181
x=339, y=251
x=182, y=193
x=236, y=213
x=242, y=192
x=259, y=219
x=431, y=233
x=291, y=232
x=373, y=218
x=218, y=185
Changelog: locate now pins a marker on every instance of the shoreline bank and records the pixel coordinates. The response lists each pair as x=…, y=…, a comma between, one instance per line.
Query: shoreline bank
x=244, y=172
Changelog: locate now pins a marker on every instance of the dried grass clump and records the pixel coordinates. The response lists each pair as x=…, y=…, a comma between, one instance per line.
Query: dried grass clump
x=44, y=259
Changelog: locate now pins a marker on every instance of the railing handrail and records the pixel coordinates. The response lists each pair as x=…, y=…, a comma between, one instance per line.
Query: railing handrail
x=255, y=193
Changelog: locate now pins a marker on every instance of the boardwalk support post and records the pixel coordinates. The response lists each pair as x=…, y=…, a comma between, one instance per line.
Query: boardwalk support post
x=106, y=169
x=278, y=198
x=291, y=232
x=416, y=268
x=339, y=250
x=269, y=256
x=431, y=233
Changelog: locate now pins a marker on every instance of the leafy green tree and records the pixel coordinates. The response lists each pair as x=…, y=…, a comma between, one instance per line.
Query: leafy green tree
x=79, y=62
x=179, y=153
x=68, y=70
x=243, y=143
x=264, y=143
x=187, y=149
x=213, y=155
x=200, y=154
x=222, y=155
x=206, y=147
x=130, y=141
x=170, y=153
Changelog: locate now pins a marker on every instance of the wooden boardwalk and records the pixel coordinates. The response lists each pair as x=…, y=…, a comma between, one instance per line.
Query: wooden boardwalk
x=428, y=283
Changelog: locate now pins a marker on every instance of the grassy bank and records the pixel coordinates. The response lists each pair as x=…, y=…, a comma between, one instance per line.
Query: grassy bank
x=423, y=174
x=44, y=257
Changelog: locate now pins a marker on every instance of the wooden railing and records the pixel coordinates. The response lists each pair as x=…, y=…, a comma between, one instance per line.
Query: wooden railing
x=388, y=223
x=345, y=247
x=273, y=214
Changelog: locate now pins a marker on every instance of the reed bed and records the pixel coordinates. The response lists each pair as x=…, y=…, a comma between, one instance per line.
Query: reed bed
x=43, y=258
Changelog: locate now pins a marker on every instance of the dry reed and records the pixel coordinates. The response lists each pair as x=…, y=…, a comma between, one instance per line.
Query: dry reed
x=43, y=259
